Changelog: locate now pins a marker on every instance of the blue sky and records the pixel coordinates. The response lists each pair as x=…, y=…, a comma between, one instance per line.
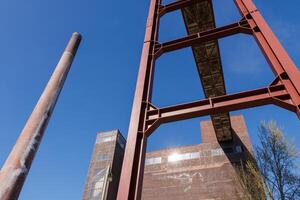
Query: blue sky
x=98, y=93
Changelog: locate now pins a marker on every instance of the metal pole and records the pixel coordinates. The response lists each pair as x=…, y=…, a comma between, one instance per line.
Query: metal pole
x=17, y=165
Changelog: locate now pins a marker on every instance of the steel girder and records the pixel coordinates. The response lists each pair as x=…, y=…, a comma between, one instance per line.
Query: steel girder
x=284, y=91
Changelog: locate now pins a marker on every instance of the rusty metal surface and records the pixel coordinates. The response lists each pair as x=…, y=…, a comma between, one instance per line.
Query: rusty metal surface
x=17, y=165
x=130, y=186
x=282, y=65
x=146, y=117
x=204, y=36
x=275, y=94
x=198, y=18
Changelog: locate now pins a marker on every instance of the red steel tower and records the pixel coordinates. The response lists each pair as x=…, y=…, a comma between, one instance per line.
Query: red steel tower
x=202, y=36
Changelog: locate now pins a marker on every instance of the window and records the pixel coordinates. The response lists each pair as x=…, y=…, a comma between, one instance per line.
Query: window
x=106, y=139
x=205, y=153
x=121, y=141
x=98, y=187
x=228, y=150
x=239, y=149
x=186, y=156
x=102, y=157
x=98, y=183
x=217, y=152
x=153, y=161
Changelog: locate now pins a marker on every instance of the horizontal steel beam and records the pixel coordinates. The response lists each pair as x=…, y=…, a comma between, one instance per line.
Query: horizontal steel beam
x=176, y=5
x=205, y=36
x=275, y=94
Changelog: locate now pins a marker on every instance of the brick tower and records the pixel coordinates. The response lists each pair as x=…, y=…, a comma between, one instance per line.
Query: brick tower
x=105, y=167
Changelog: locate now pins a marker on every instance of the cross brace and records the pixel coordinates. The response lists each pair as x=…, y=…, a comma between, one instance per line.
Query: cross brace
x=164, y=9
x=274, y=94
x=193, y=39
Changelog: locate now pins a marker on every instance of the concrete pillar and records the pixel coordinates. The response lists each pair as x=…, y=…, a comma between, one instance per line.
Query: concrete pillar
x=17, y=165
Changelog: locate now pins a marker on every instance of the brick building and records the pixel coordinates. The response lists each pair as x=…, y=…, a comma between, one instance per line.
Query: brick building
x=197, y=172
x=104, y=170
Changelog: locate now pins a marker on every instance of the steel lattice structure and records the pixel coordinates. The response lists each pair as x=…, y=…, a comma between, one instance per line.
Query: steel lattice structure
x=284, y=91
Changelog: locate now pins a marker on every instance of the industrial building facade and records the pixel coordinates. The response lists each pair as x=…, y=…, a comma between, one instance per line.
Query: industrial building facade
x=197, y=172
x=105, y=166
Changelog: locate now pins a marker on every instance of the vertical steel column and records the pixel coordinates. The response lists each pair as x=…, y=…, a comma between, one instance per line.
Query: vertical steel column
x=130, y=186
x=282, y=65
x=17, y=165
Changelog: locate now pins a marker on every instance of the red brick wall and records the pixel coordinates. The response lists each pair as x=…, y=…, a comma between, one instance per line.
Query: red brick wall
x=105, y=167
x=208, y=174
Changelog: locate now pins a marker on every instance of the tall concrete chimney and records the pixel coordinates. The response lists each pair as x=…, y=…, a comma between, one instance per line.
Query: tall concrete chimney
x=17, y=165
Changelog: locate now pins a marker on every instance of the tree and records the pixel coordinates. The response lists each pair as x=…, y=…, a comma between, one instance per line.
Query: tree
x=250, y=179
x=272, y=173
x=276, y=158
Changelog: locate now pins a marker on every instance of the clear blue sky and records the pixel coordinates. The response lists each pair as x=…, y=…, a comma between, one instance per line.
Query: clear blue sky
x=99, y=90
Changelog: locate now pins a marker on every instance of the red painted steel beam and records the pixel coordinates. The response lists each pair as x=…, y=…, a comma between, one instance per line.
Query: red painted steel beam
x=145, y=118
x=281, y=64
x=131, y=180
x=217, y=33
x=164, y=9
x=276, y=95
